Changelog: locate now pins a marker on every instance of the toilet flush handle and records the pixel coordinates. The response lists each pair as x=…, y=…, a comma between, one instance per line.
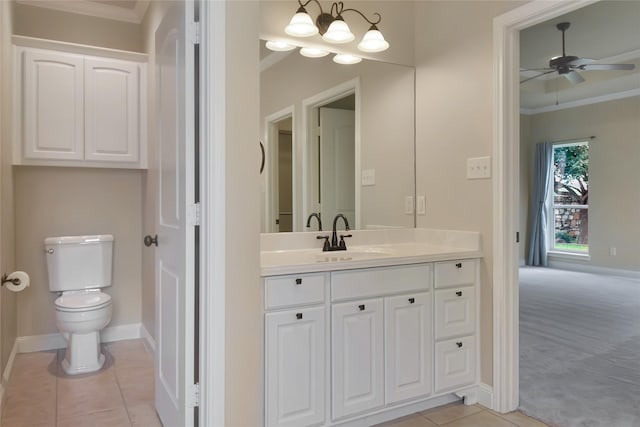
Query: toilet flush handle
x=148, y=240
x=50, y=251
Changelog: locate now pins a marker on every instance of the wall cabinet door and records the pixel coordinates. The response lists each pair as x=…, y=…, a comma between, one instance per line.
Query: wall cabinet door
x=295, y=367
x=408, y=346
x=357, y=356
x=112, y=110
x=53, y=105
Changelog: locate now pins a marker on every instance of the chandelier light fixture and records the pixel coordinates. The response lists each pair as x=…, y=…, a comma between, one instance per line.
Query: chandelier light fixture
x=333, y=28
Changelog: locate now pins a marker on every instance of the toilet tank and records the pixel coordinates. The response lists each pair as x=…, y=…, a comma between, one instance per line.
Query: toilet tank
x=79, y=262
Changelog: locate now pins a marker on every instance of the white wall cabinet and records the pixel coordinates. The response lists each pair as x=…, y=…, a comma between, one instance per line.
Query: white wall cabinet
x=395, y=336
x=79, y=110
x=357, y=353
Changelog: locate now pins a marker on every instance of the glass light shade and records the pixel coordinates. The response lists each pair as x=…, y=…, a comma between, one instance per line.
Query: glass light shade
x=338, y=32
x=312, y=52
x=346, y=59
x=279, y=46
x=373, y=41
x=301, y=25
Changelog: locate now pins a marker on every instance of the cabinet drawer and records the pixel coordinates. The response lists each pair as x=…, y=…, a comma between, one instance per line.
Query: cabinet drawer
x=284, y=291
x=380, y=281
x=455, y=273
x=455, y=363
x=455, y=312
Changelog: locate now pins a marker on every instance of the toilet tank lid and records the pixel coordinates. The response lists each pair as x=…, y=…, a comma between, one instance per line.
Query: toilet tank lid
x=70, y=240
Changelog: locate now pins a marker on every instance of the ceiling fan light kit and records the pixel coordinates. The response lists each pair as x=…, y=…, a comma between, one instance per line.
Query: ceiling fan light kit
x=569, y=65
x=333, y=29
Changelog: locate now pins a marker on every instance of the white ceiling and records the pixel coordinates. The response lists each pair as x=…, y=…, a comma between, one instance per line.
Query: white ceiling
x=608, y=31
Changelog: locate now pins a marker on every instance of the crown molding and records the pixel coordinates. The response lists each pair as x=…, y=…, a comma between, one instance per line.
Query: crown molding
x=581, y=102
x=90, y=8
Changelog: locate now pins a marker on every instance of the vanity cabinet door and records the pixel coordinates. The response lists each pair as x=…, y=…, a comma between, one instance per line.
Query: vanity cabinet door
x=408, y=346
x=357, y=356
x=295, y=367
x=53, y=105
x=112, y=108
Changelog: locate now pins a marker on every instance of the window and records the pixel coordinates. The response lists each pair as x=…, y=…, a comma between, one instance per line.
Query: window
x=570, y=204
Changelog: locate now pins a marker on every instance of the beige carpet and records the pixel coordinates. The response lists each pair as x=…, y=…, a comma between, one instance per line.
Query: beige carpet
x=579, y=348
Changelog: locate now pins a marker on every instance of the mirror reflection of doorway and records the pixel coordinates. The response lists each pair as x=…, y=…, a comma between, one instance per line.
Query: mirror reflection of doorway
x=284, y=166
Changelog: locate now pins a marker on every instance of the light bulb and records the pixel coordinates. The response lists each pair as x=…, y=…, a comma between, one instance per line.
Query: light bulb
x=279, y=46
x=346, y=59
x=312, y=52
x=373, y=41
x=301, y=25
x=338, y=32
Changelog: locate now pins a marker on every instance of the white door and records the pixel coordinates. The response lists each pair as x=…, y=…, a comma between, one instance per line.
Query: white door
x=357, y=352
x=53, y=105
x=295, y=367
x=408, y=346
x=175, y=278
x=112, y=110
x=337, y=164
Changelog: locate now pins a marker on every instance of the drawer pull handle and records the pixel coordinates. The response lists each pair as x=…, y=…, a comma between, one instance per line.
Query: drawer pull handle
x=459, y=293
x=459, y=265
x=412, y=300
x=298, y=316
x=298, y=281
x=459, y=344
x=361, y=307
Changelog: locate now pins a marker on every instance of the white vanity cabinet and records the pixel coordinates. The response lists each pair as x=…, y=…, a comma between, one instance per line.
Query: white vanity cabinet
x=79, y=110
x=455, y=324
x=295, y=350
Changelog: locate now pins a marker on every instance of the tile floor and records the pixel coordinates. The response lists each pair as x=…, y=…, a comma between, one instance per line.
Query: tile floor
x=121, y=394
x=459, y=415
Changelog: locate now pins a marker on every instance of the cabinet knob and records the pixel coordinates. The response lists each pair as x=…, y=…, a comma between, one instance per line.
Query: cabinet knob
x=298, y=281
x=361, y=307
x=459, y=344
x=412, y=300
x=298, y=316
x=459, y=265
x=459, y=293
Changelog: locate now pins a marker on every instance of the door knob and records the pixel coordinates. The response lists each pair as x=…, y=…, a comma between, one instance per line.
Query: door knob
x=148, y=240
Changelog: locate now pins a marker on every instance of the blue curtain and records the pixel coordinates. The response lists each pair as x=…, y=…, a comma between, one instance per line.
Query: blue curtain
x=542, y=185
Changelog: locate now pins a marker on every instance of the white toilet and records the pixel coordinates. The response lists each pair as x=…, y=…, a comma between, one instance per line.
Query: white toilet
x=78, y=267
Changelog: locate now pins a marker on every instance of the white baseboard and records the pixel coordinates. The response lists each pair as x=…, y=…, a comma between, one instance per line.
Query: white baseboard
x=148, y=339
x=588, y=268
x=7, y=373
x=485, y=395
x=29, y=344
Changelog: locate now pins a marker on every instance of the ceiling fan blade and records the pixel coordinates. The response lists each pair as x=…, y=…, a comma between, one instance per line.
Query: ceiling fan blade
x=535, y=77
x=581, y=61
x=601, y=67
x=574, y=77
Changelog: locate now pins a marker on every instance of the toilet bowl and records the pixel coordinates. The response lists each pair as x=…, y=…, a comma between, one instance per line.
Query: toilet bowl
x=78, y=267
x=80, y=316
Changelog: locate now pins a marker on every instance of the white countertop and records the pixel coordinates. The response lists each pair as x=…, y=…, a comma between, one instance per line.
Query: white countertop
x=292, y=253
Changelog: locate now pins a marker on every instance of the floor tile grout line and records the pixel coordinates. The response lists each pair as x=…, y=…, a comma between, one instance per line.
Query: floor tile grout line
x=449, y=422
x=115, y=374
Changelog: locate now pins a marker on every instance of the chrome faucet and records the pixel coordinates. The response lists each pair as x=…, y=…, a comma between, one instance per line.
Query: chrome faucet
x=317, y=216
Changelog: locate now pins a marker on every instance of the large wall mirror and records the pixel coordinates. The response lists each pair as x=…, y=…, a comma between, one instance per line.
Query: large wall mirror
x=338, y=139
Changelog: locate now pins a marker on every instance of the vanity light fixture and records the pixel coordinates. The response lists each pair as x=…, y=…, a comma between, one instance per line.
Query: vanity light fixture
x=346, y=59
x=333, y=28
x=312, y=52
x=279, y=46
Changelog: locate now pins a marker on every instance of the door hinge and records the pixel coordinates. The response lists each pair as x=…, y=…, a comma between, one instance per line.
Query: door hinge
x=517, y=237
x=194, y=395
x=194, y=32
x=193, y=214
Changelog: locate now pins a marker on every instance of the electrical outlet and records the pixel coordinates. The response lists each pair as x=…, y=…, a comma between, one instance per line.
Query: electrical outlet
x=479, y=168
x=408, y=205
x=368, y=177
x=421, y=205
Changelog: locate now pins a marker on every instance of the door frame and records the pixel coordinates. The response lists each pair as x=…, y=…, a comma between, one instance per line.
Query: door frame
x=506, y=152
x=271, y=192
x=310, y=131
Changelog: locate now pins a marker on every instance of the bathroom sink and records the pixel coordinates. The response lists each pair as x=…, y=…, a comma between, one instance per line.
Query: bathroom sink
x=356, y=254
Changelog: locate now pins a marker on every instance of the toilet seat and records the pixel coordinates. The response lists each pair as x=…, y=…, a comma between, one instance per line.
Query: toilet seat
x=86, y=300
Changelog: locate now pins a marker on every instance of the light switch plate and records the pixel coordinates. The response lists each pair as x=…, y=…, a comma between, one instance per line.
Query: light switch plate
x=479, y=168
x=421, y=205
x=368, y=177
x=408, y=205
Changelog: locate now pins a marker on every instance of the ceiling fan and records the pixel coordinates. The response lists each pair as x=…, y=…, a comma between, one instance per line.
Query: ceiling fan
x=568, y=65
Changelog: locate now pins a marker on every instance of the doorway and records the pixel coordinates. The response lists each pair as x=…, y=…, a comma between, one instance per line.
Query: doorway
x=280, y=202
